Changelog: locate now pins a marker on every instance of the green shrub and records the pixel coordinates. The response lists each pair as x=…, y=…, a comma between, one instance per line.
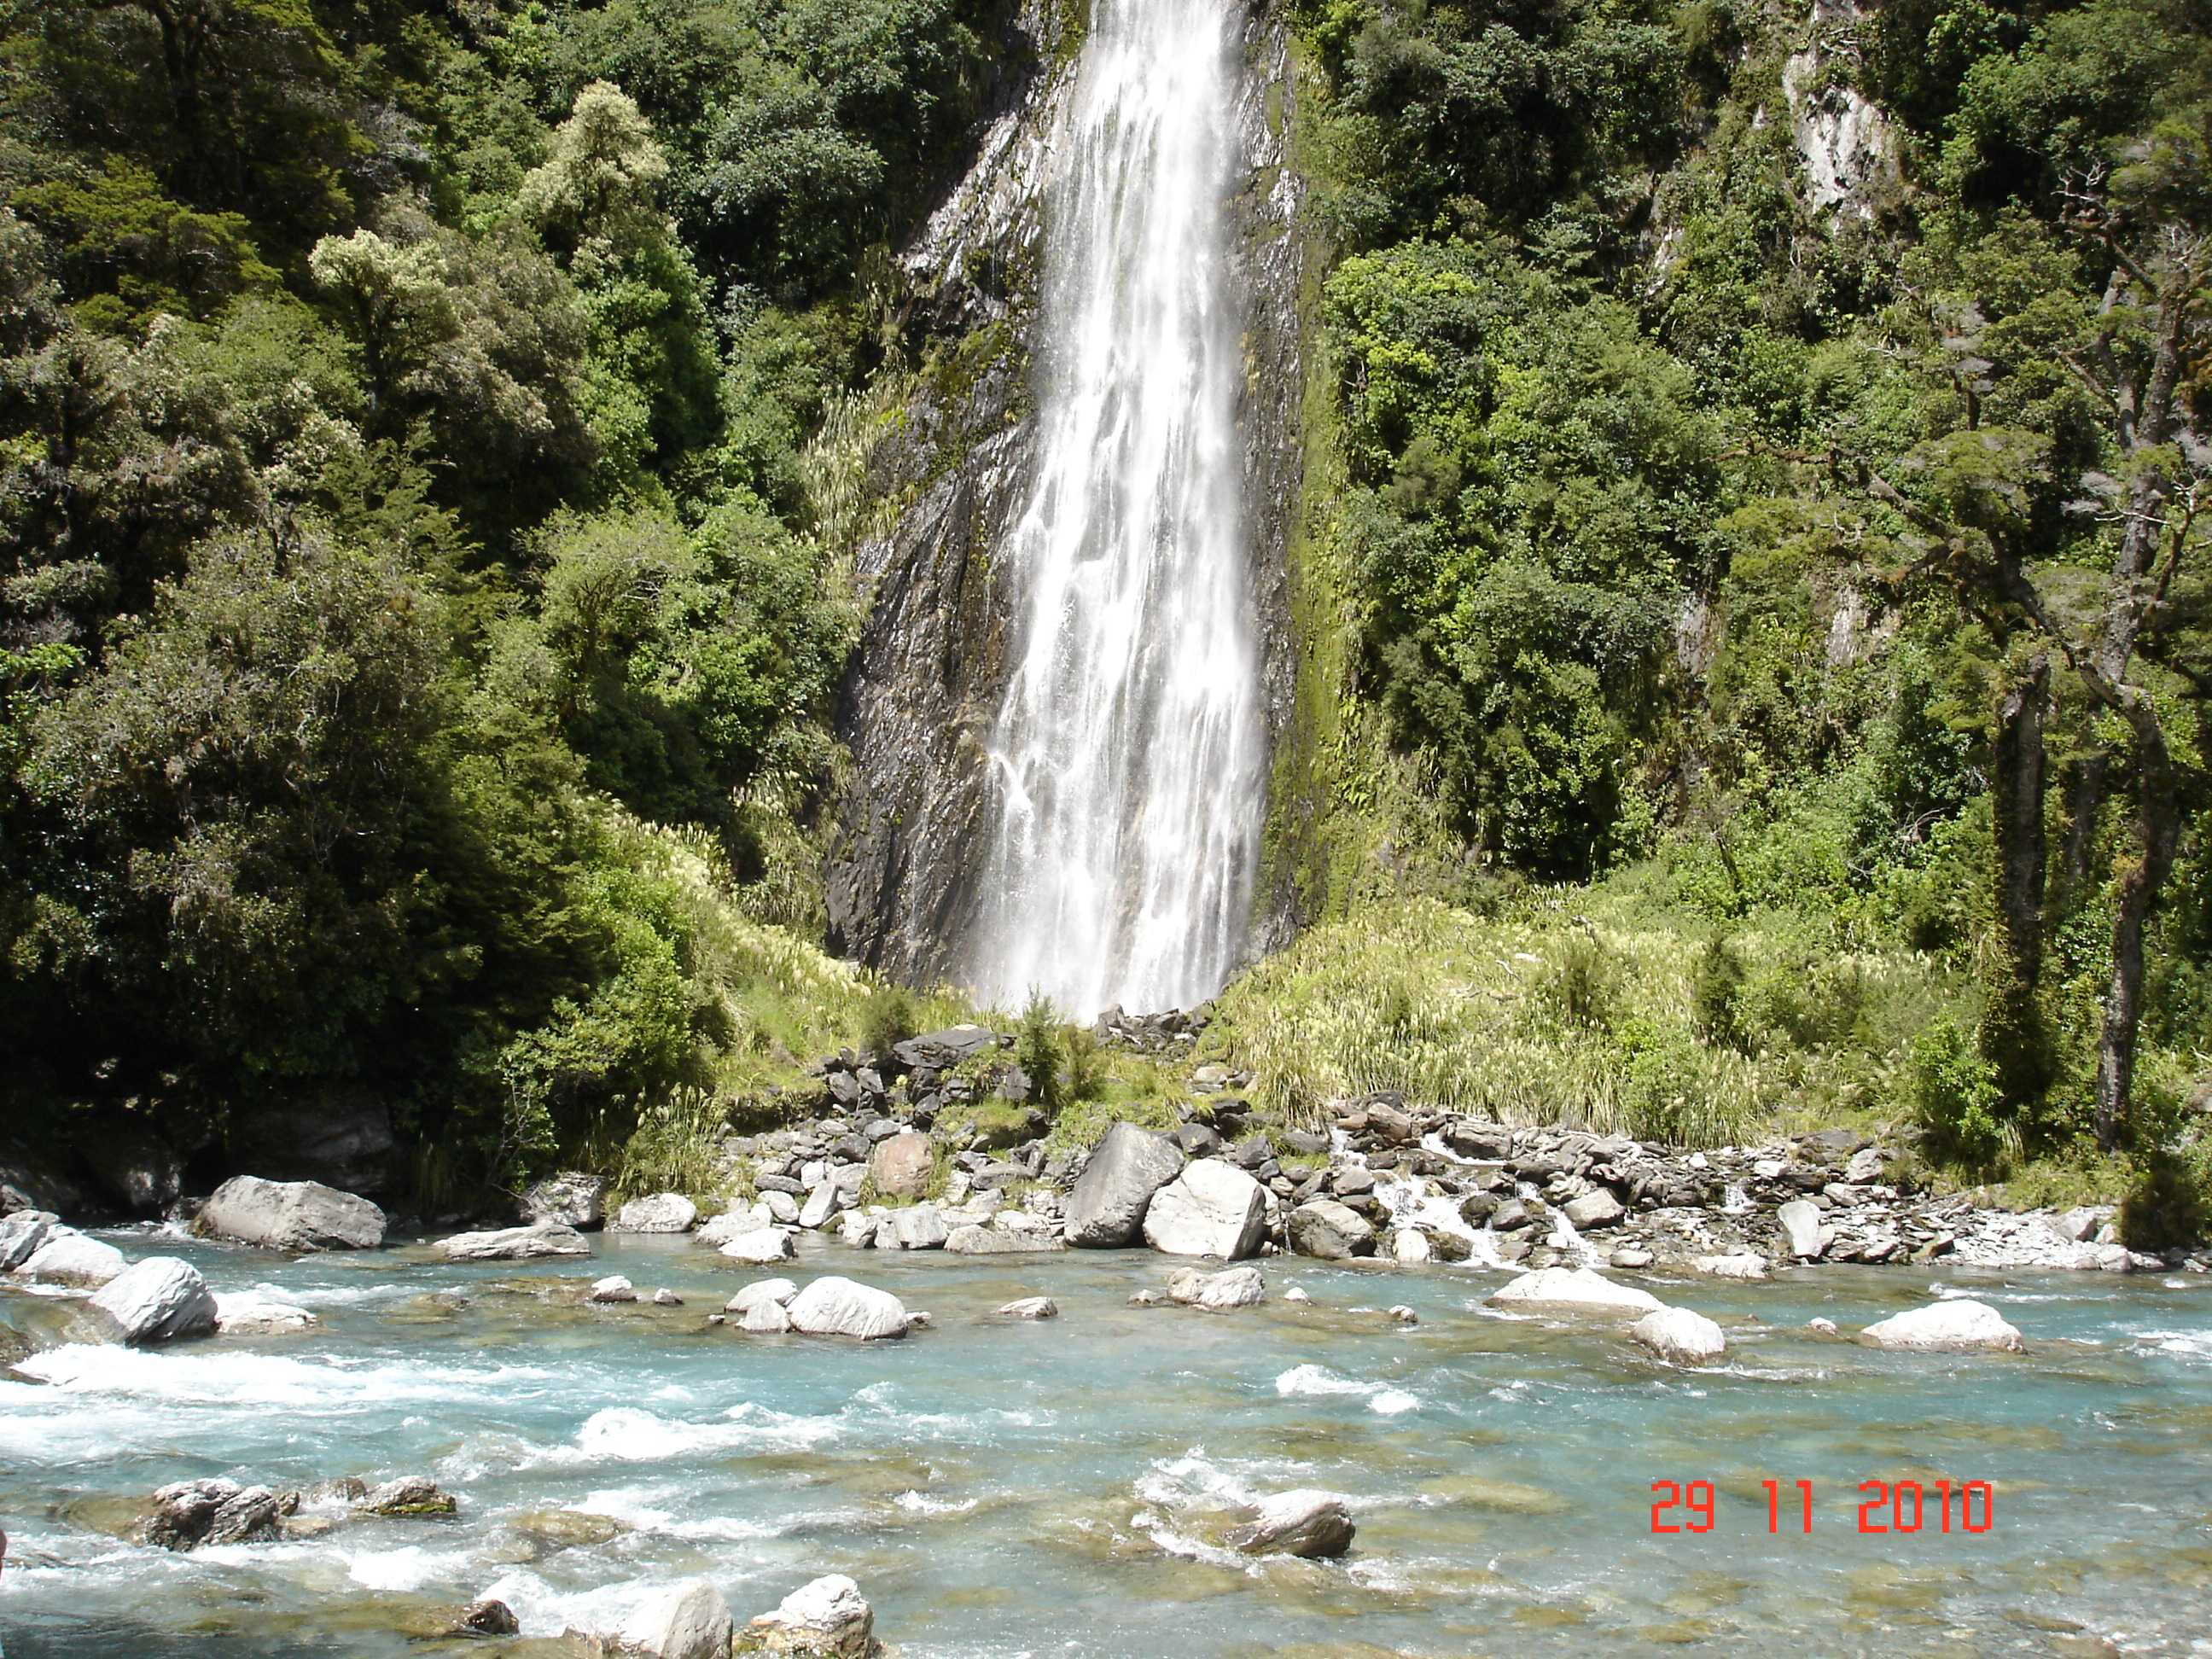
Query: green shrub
x=1037, y=1051
x=1086, y=1064
x=1716, y=998
x=887, y=1019
x=1956, y=1100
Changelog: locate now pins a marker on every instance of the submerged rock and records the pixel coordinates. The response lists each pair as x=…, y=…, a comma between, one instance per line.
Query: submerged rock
x=192, y=1513
x=1313, y=1524
x=1573, y=1289
x=1679, y=1334
x=1106, y=1211
x=1032, y=1307
x=825, y=1619
x=765, y=1318
x=542, y=1238
x=247, y=1313
x=159, y=1299
x=1236, y=1287
x=1960, y=1324
x=689, y=1622
x=1213, y=1209
x=842, y=1306
x=662, y=1212
x=291, y=1215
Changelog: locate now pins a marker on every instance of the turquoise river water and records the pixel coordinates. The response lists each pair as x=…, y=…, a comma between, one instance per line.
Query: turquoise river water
x=1001, y=1489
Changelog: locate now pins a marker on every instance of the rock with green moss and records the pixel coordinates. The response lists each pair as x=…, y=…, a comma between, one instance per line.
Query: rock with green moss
x=409, y=1495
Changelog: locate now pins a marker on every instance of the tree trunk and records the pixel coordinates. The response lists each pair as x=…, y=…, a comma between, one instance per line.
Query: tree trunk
x=2013, y=1035
x=2158, y=831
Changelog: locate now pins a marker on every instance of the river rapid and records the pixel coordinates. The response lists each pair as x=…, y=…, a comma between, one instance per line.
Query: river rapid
x=1000, y=1488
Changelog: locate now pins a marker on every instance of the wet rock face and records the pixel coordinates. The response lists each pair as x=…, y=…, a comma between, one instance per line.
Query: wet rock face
x=195, y=1512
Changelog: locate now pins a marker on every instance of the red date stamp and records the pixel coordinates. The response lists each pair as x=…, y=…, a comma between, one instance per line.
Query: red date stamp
x=1885, y=1506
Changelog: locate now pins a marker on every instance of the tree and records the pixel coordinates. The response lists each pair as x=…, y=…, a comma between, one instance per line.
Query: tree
x=602, y=175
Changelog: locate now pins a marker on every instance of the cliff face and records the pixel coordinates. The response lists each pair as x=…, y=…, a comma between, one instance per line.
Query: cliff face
x=949, y=469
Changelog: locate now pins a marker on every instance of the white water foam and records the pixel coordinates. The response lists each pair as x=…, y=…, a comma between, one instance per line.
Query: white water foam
x=1128, y=759
x=1320, y=1380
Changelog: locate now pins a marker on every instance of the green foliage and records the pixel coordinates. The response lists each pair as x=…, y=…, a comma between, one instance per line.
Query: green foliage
x=1039, y=1049
x=1957, y=1100
x=888, y=1018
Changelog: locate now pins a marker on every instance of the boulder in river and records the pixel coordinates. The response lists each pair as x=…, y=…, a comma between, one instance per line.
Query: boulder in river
x=688, y=1621
x=825, y=1619
x=842, y=1307
x=542, y=1238
x=1680, y=1335
x=613, y=1288
x=1593, y=1211
x=778, y=1290
x=762, y=1246
x=66, y=1256
x=1573, y=1291
x=409, y=1495
x=571, y=1197
x=291, y=1215
x=192, y=1513
x=1313, y=1524
x=901, y=1167
x=21, y=1235
x=765, y=1318
x=248, y=1313
x=1106, y=1210
x=158, y=1299
x=1235, y=1287
x=1030, y=1307
x=660, y=1212
x=488, y=1618
x=976, y=1239
x=1957, y=1324
x=1213, y=1209
x=1332, y=1231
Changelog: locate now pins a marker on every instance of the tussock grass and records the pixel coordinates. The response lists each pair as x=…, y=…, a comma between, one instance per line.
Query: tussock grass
x=1579, y=1007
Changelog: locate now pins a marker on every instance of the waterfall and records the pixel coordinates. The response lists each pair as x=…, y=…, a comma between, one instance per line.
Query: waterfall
x=1128, y=757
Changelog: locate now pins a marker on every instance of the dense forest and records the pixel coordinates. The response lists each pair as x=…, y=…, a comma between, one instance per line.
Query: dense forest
x=1775, y=606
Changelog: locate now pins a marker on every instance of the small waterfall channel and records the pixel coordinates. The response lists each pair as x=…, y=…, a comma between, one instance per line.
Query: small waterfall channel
x=1414, y=1201
x=1128, y=757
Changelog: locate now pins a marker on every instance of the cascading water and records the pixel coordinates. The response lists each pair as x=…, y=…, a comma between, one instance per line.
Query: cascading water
x=1128, y=757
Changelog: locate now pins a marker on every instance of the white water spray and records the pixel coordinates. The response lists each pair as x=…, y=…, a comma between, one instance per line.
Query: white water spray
x=1128, y=758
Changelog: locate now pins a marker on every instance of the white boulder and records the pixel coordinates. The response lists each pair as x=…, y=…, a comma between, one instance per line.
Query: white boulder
x=67, y=1256
x=842, y=1306
x=542, y=1238
x=1234, y=1287
x=826, y=1619
x=1960, y=1324
x=1213, y=1209
x=762, y=1246
x=662, y=1212
x=248, y=1313
x=158, y=1300
x=1573, y=1291
x=1680, y=1335
x=1742, y=1264
x=291, y=1215
x=689, y=1622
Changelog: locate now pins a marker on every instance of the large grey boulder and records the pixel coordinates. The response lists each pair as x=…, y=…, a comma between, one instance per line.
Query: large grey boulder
x=919, y=1227
x=1574, y=1291
x=195, y=1513
x=1213, y=1209
x=159, y=1299
x=946, y=1048
x=515, y=1244
x=841, y=1307
x=1801, y=1226
x=826, y=1619
x=662, y=1212
x=1332, y=1231
x=1960, y=1324
x=1234, y=1287
x=1680, y=1335
x=1593, y=1211
x=571, y=1197
x=66, y=1256
x=689, y=1622
x=1106, y=1210
x=1313, y=1524
x=21, y=1235
x=291, y=1215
